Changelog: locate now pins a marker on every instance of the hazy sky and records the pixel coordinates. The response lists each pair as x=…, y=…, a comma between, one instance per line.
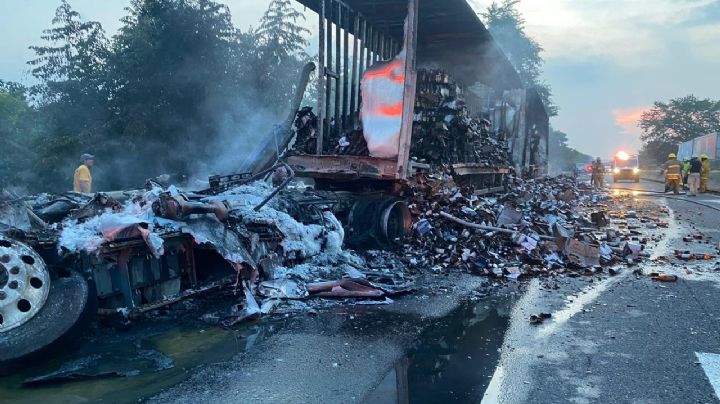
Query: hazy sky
x=607, y=60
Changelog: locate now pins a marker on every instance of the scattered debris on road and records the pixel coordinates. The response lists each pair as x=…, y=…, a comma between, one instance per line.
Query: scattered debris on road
x=539, y=318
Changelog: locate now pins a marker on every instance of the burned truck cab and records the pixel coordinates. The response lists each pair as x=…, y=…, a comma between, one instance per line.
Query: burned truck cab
x=127, y=275
x=62, y=265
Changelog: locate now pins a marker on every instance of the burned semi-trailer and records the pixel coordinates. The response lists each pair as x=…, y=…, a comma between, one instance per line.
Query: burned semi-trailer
x=408, y=86
x=404, y=85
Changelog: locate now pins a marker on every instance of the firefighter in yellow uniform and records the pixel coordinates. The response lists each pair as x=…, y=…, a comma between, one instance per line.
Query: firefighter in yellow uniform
x=704, y=173
x=598, y=172
x=673, y=171
x=82, y=180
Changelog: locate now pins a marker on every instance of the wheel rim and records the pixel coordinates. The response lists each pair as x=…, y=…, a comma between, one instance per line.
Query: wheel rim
x=24, y=283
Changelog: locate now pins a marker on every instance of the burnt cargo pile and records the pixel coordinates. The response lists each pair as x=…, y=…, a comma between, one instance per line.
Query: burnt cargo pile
x=262, y=233
x=445, y=132
x=539, y=228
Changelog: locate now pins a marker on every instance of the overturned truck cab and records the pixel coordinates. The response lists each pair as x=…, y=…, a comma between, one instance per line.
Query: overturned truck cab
x=65, y=258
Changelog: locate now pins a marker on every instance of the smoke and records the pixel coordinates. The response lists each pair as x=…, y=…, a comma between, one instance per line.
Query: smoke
x=563, y=158
x=233, y=119
x=243, y=123
x=222, y=141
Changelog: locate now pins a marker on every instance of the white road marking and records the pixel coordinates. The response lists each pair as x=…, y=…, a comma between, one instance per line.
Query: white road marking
x=514, y=364
x=493, y=393
x=586, y=296
x=710, y=363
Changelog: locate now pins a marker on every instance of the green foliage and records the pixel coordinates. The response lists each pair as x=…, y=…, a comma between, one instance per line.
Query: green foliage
x=17, y=133
x=668, y=124
x=72, y=97
x=176, y=87
x=656, y=152
x=72, y=61
x=169, y=60
x=281, y=41
x=563, y=157
x=12, y=107
x=507, y=26
x=279, y=33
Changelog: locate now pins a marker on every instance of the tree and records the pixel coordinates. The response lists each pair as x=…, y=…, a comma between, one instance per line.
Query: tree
x=666, y=125
x=279, y=32
x=72, y=94
x=282, y=42
x=561, y=156
x=174, y=66
x=17, y=131
x=177, y=88
x=72, y=62
x=507, y=26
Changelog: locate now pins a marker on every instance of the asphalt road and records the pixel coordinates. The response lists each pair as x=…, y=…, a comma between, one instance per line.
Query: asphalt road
x=624, y=339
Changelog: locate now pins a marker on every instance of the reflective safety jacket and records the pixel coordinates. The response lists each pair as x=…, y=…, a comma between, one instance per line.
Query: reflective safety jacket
x=705, y=173
x=672, y=167
x=598, y=168
x=686, y=167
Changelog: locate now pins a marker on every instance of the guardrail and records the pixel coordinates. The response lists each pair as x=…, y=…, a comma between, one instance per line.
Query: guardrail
x=660, y=180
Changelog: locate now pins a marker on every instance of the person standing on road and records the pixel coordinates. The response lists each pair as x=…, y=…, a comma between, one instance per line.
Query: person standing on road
x=704, y=173
x=694, y=176
x=672, y=170
x=82, y=180
x=685, y=171
x=593, y=173
x=597, y=173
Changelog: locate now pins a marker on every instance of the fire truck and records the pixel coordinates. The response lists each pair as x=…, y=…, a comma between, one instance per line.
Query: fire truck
x=626, y=167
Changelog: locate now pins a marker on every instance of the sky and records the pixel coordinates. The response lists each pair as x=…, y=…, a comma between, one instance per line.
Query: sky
x=606, y=60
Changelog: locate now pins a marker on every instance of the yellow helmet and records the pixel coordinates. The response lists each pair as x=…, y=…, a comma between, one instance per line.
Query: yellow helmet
x=704, y=157
x=672, y=155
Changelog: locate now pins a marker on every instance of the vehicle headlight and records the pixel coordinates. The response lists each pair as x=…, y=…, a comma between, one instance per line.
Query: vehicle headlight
x=616, y=170
x=636, y=170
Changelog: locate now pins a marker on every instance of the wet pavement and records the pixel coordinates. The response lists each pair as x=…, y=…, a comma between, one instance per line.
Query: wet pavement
x=624, y=338
x=454, y=359
x=128, y=365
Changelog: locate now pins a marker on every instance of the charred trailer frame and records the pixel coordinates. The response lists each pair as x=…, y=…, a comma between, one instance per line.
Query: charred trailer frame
x=536, y=146
x=355, y=34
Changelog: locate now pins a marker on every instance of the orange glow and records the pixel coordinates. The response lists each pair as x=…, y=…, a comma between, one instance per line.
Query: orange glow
x=387, y=72
x=391, y=109
x=622, y=155
x=397, y=78
x=627, y=119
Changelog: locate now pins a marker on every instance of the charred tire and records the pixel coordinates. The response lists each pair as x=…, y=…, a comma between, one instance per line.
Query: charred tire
x=69, y=307
x=378, y=223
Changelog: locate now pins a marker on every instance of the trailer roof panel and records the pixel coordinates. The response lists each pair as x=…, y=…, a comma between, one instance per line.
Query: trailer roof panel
x=448, y=31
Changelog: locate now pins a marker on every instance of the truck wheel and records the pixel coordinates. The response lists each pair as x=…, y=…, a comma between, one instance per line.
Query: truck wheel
x=378, y=223
x=36, y=312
